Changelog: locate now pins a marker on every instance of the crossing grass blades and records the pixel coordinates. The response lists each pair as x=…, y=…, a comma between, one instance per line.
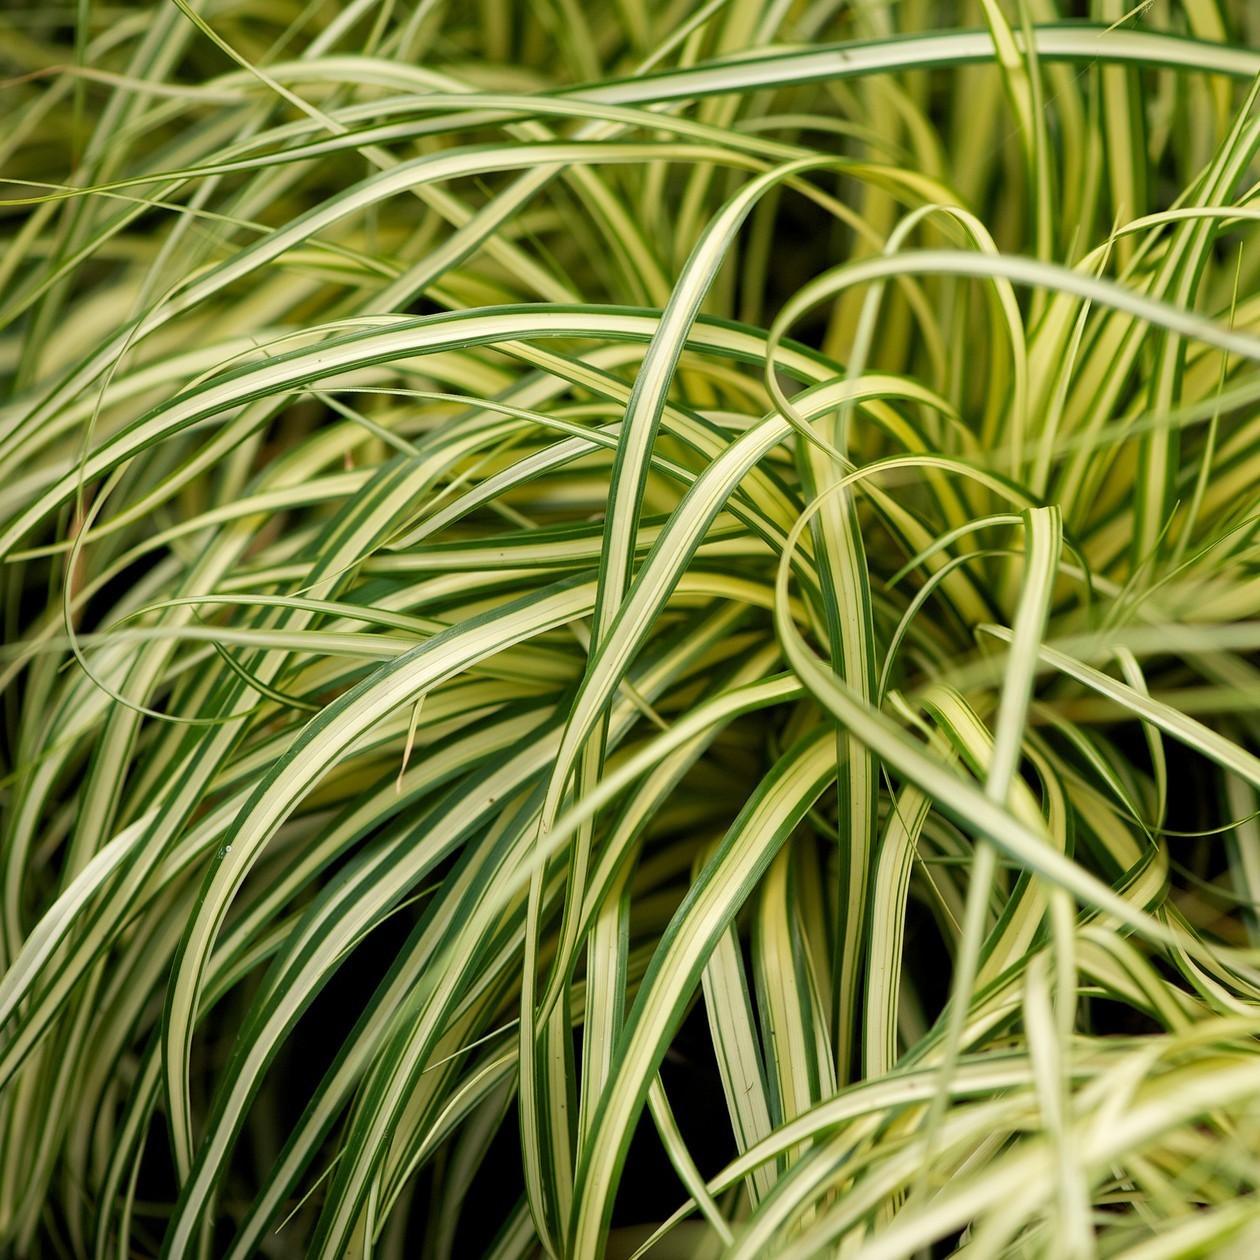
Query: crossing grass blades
x=630, y=629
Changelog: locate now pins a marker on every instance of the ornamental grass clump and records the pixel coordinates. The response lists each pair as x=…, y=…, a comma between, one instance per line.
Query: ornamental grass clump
x=630, y=629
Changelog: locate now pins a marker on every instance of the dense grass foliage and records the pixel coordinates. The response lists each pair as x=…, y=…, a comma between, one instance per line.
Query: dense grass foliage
x=630, y=622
